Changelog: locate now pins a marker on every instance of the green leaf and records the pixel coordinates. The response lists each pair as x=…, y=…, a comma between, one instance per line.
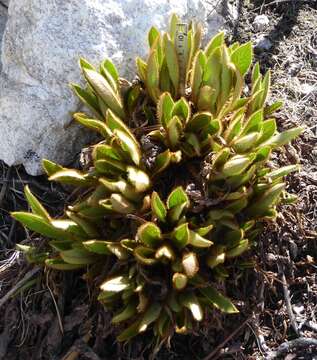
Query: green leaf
x=35, y=205
x=125, y=314
x=121, y=205
x=205, y=96
x=180, y=235
x=177, y=197
x=110, y=67
x=150, y=315
x=158, y=207
x=268, y=130
x=129, y=332
x=104, y=90
x=198, y=121
x=97, y=246
x=254, y=122
x=149, y=234
x=110, y=166
x=270, y=109
x=93, y=124
x=182, y=110
x=190, y=301
x=153, y=35
x=242, y=57
x=197, y=74
x=164, y=109
x=179, y=281
x=236, y=165
x=198, y=241
x=78, y=256
x=115, y=123
x=174, y=129
x=59, y=264
x=238, y=250
x=71, y=177
x=138, y=178
x=281, y=172
x=50, y=167
x=152, y=76
x=129, y=146
x=142, y=68
x=172, y=61
x=215, y=42
x=116, y=284
x=145, y=255
x=38, y=224
x=89, y=228
x=218, y=300
x=164, y=253
x=284, y=137
x=87, y=98
x=246, y=142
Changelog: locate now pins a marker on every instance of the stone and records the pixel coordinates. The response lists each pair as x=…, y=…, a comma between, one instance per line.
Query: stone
x=3, y=20
x=260, y=23
x=42, y=43
x=262, y=43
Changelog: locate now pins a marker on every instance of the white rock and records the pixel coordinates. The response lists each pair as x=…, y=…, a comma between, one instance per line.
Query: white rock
x=262, y=43
x=3, y=20
x=260, y=22
x=41, y=46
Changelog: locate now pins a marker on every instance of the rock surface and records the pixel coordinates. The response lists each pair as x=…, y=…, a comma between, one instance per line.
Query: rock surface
x=41, y=46
x=261, y=22
x=3, y=20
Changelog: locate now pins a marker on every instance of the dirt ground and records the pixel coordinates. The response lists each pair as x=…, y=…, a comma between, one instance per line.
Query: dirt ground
x=55, y=315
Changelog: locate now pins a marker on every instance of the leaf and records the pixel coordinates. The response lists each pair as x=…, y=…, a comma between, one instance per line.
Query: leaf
x=129, y=332
x=242, y=57
x=218, y=300
x=177, y=197
x=121, y=205
x=104, y=90
x=39, y=225
x=116, y=284
x=268, y=130
x=149, y=234
x=236, y=165
x=238, y=250
x=59, y=264
x=87, y=98
x=35, y=205
x=182, y=110
x=190, y=301
x=179, y=281
x=190, y=264
x=164, y=253
x=284, y=137
x=266, y=87
x=71, y=177
x=198, y=121
x=205, y=96
x=107, y=64
x=270, y=109
x=217, y=256
x=173, y=25
x=78, y=256
x=174, y=129
x=153, y=35
x=254, y=122
x=197, y=74
x=142, y=68
x=215, y=42
x=162, y=161
x=180, y=235
x=150, y=315
x=89, y=228
x=50, y=167
x=103, y=151
x=164, y=109
x=172, y=61
x=97, y=246
x=245, y=143
x=138, y=178
x=129, y=146
x=158, y=207
x=93, y=124
x=152, y=76
x=198, y=241
x=115, y=123
x=110, y=166
x=125, y=314
x=281, y=172
x=145, y=255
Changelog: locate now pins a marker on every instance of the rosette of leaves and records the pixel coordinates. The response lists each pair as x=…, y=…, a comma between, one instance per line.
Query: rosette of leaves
x=209, y=130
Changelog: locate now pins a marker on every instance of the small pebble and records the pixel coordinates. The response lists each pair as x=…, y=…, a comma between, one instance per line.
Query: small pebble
x=262, y=43
x=260, y=22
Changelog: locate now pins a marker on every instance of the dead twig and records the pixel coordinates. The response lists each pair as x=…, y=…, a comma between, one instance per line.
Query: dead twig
x=288, y=300
x=213, y=354
x=288, y=346
x=5, y=186
x=55, y=304
x=20, y=283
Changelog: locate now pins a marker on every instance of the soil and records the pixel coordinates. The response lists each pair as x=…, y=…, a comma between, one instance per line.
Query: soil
x=54, y=315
